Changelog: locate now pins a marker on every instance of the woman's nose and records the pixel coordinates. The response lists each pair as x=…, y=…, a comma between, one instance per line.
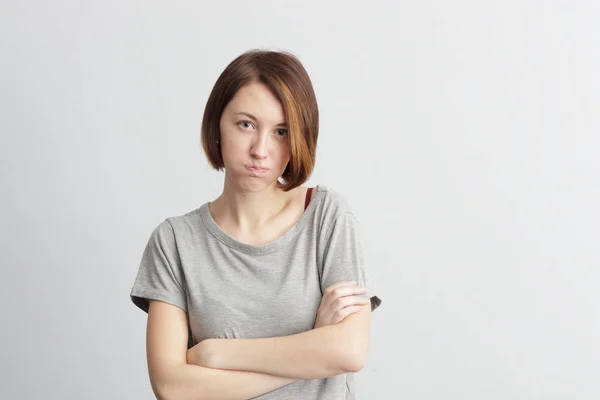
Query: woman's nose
x=260, y=146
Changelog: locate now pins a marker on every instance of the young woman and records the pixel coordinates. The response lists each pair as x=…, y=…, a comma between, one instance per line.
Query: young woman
x=261, y=293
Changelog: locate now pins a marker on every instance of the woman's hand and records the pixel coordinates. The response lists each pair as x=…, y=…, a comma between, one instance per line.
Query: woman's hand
x=339, y=301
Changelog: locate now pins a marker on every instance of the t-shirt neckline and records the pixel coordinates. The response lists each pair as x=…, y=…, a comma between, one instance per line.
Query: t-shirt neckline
x=276, y=244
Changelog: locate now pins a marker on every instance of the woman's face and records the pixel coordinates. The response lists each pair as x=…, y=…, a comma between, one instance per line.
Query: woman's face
x=254, y=133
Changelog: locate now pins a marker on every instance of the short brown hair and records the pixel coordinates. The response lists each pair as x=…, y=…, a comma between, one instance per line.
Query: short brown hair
x=284, y=74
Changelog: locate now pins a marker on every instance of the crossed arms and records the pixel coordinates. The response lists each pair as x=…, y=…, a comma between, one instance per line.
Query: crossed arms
x=246, y=368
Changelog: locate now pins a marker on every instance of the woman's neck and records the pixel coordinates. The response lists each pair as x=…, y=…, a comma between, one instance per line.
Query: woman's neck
x=248, y=211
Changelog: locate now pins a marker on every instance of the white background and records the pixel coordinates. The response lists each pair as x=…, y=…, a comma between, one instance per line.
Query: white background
x=464, y=134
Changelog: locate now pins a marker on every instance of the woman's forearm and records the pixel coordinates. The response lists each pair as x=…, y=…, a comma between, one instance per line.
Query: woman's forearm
x=315, y=354
x=192, y=382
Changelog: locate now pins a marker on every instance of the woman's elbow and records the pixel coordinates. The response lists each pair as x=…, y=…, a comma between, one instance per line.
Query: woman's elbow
x=175, y=393
x=357, y=352
x=355, y=361
x=356, y=332
x=177, y=385
x=162, y=391
x=166, y=391
x=355, y=356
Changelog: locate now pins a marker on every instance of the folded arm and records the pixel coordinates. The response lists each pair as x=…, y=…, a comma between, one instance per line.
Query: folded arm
x=172, y=377
x=319, y=353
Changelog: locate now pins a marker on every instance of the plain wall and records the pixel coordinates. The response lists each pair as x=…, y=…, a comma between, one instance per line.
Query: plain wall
x=464, y=134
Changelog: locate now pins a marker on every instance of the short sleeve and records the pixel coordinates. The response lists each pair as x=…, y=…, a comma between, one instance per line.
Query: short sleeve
x=160, y=275
x=343, y=258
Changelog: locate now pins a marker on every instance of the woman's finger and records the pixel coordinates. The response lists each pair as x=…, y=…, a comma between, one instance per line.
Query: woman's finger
x=342, y=302
x=343, y=291
x=340, y=315
x=336, y=287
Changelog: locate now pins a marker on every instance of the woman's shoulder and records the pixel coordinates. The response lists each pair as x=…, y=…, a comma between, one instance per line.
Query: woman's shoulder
x=180, y=224
x=333, y=202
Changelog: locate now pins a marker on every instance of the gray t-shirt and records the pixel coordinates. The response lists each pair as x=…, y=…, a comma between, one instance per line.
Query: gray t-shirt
x=231, y=289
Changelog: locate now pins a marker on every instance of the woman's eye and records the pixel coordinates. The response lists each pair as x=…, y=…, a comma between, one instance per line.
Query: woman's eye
x=245, y=124
x=282, y=132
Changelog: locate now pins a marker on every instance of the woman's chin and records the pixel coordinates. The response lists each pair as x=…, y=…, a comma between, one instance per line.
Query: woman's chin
x=253, y=184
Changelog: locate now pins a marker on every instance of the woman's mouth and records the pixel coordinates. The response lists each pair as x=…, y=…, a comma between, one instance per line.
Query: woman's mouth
x=256, y=169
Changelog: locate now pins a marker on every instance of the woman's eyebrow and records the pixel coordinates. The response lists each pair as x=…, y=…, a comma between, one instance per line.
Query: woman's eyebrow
x=252, y=117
